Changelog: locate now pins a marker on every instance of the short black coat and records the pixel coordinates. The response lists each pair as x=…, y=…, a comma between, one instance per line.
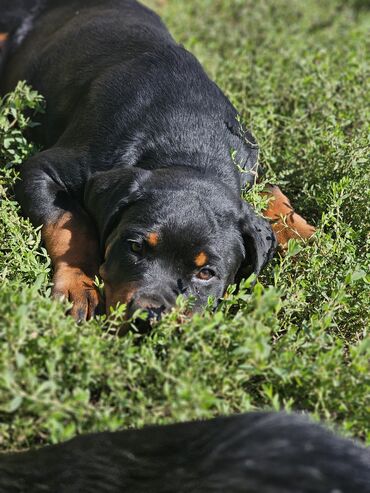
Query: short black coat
x=124, y=102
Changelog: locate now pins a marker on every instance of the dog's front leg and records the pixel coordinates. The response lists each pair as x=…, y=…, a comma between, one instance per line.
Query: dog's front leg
x=74, y=251
x=68, y=232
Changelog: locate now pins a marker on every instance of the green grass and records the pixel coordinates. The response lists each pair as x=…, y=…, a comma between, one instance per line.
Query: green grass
x=299, y=74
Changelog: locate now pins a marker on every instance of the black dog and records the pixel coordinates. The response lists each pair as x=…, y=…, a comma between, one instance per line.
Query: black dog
x=137, y=178
x=251, y=453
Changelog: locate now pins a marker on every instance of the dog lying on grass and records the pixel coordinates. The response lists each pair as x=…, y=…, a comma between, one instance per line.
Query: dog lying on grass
x=250, y=453
x=136, y=180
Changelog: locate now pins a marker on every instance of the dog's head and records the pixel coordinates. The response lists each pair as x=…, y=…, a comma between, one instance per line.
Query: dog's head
x=168, y=232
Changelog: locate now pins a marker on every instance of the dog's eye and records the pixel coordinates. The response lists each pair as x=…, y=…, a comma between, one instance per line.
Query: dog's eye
x=136, y=246
x=205, y=274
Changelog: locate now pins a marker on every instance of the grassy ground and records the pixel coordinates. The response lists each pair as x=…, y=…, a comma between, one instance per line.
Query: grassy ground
x=298, y=72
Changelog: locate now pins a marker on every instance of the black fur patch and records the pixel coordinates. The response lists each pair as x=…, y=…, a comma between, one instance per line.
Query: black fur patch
x=251, y=453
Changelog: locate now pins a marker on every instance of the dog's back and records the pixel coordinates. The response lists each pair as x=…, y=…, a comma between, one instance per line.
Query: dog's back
x=69, y=43
x=115, y=57
x=251, y=453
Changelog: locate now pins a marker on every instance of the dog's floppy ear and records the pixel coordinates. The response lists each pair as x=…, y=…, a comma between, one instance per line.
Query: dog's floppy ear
x=259, y=242
x=252, y=151
x=108, y=192
x=248, y=153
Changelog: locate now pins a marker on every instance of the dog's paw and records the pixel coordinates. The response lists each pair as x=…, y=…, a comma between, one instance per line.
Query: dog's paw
x=290, y=226
x=72, y=284
x=285, y=222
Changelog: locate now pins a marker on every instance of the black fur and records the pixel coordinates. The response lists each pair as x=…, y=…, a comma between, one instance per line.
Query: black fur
x=13, y=14
x=138, y=135
x=251, y=453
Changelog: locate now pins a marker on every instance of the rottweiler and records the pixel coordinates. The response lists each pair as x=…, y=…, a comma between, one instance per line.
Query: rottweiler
x=137, y=179
x=250, y=453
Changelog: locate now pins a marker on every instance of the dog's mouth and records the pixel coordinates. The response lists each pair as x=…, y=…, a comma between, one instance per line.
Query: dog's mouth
x=141, y=320
x=148, y=316
x=155, y=313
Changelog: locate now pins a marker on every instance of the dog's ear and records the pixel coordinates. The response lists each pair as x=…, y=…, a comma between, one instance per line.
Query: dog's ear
x=107, y=193
x=259, y=242
x=252, y=152
x=248, y=153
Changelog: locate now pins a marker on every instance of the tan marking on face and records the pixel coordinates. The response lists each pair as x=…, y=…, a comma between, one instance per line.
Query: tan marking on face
x=286, y=223
x=153, y=239
x=201, y=259
x=119, y=294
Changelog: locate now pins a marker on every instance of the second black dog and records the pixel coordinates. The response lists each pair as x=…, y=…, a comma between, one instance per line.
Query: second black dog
x=251, y=453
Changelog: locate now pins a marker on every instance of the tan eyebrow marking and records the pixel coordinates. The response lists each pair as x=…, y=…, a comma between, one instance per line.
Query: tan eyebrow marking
x=201, y=259
x=3, y=38
x=153, y=239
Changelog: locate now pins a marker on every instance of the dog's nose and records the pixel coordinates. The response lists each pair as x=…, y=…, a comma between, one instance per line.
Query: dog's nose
x=155, y=301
